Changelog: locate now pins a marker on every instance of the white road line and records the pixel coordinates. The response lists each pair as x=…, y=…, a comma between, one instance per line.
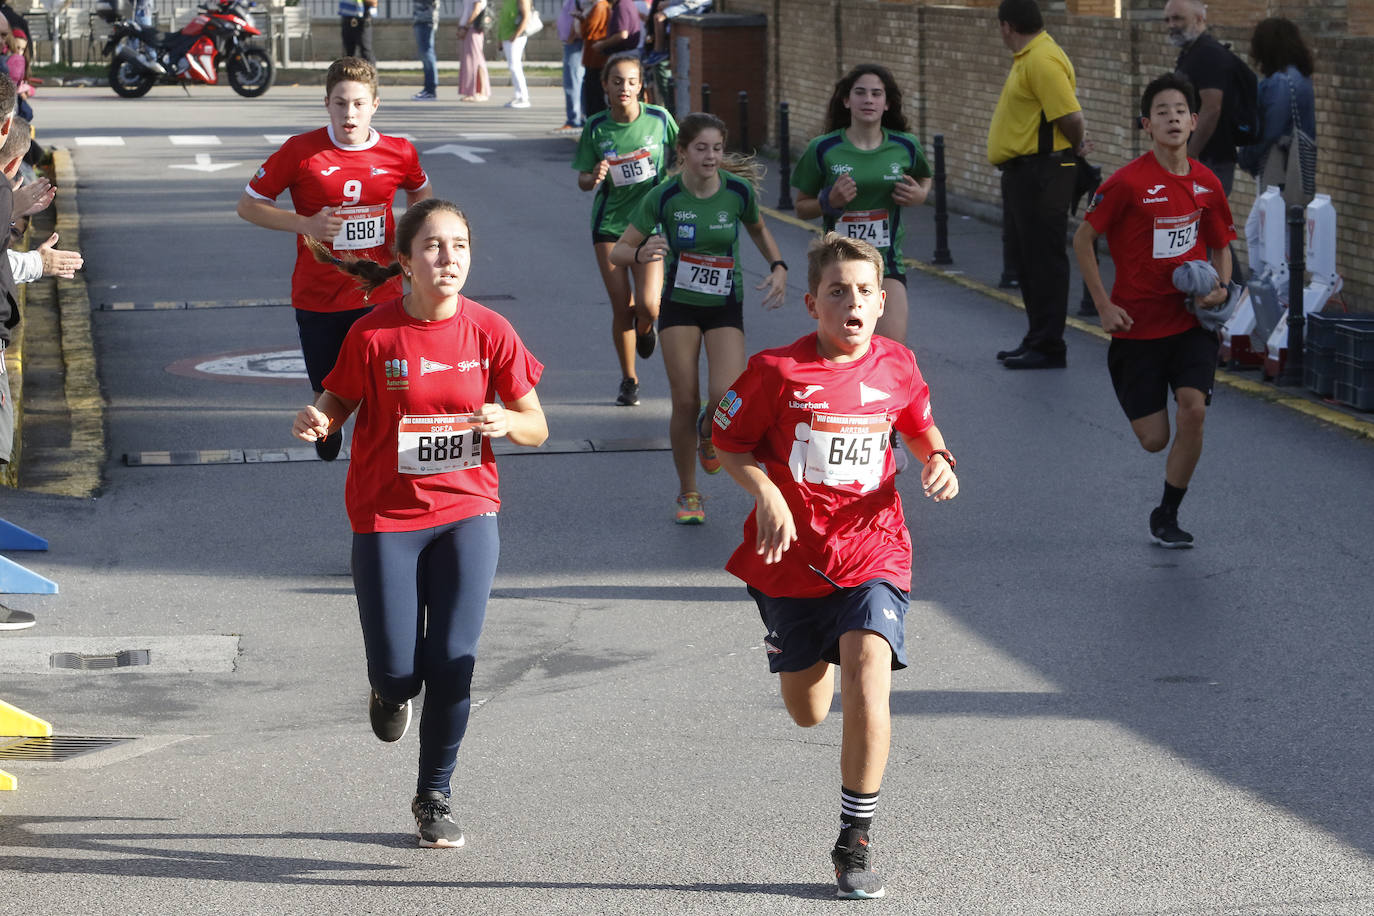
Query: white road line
x=99, y=141
x=194, y=139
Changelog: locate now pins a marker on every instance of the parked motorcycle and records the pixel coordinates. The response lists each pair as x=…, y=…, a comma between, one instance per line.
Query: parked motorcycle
x=141, y=56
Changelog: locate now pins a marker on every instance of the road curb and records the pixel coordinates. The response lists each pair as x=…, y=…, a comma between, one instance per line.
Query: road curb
x=81, y=385
x=1351, y=424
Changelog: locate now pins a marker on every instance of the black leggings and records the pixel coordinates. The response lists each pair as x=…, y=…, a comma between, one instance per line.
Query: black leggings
x=422, y=598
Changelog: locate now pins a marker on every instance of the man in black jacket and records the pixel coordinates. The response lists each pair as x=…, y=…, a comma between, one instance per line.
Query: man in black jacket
x=1210, y=67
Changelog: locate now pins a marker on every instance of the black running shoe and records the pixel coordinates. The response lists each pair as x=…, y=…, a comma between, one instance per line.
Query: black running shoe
x=629, y=393
x=434, y=823
x=389, y=721
x=1165, y=532
x=854, y=874
x=328, y=447
x=644, y=343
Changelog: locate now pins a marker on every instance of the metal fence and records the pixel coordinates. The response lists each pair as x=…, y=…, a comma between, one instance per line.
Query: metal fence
x=166, y=10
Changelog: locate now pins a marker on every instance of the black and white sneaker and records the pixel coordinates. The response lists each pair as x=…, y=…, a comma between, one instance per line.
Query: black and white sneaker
x=389, y=721
x=855, y=878
x=328, y=447
x=10, y=619
x=434, y=823
x=629, y=393
x=1165, y=532
x=644, y=343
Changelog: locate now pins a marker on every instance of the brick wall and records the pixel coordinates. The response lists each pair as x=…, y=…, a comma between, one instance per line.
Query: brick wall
x=951, y=64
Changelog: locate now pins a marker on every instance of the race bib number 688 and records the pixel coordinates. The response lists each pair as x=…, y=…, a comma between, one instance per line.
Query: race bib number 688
x=436, y=445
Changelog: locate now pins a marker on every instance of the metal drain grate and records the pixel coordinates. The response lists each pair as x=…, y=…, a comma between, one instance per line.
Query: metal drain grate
x=124, y=659
x=58, y=747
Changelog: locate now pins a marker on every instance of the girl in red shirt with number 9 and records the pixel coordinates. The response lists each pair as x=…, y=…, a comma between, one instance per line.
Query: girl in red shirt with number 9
x=433, y=376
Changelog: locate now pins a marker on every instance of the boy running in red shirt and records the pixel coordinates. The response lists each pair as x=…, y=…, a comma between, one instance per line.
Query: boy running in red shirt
x=343, y=179
x=826, y=552
x=1157, y=212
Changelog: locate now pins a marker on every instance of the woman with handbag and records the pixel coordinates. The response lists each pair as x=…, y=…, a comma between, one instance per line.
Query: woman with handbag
x=474, y=83
x=1286, y=152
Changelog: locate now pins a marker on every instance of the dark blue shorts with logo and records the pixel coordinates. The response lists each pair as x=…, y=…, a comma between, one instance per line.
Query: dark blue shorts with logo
x=804, y=631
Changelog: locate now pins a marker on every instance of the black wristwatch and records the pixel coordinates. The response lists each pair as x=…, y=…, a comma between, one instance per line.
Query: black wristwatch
x=943, y=453
x=779, y=262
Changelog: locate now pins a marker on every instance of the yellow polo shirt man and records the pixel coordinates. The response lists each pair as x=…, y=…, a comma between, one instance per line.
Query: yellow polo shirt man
x=1035, y=131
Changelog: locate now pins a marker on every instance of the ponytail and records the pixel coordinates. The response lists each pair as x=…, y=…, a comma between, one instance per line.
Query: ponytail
x=370, y=274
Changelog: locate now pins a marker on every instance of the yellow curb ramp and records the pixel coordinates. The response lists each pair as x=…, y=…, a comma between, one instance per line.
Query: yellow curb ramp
x=14, y=722
x=1351, y=424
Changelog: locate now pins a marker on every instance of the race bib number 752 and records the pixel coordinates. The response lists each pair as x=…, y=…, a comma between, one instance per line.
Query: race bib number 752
x=1175, y=236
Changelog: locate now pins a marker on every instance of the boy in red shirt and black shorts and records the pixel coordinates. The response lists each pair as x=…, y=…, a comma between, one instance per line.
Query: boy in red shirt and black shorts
x=343, y=179
x=1159, y=211
x=826, y=552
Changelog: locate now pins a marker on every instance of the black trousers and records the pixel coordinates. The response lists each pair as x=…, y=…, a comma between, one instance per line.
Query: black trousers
x=357, y=37
x=1036, y=193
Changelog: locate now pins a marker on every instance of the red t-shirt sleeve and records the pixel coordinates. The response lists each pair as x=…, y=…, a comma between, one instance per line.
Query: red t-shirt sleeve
x=347, y=377
x=1218, y=225
x=1105, y=207
x=514, y=369
x=916, y=417
x=747, y=412
x=277, y=173
x=415, y=174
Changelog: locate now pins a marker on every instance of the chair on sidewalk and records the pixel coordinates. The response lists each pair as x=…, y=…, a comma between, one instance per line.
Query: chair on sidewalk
x=40, y=33
x=296, y=24
x=74, y=23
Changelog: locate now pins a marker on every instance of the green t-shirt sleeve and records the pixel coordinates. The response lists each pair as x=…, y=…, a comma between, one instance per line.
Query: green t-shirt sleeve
x=644, y=216
x=670, y=143
x=920, y=168
x=806, y=176
x=585, y=159
x=750, y=216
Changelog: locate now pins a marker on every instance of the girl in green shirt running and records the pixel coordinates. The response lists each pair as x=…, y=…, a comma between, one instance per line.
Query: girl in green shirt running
x=621, y=156
x=862, y=172
x=691, y=223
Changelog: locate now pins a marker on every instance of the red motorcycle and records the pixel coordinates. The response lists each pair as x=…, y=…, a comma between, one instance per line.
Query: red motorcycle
x=141, y=56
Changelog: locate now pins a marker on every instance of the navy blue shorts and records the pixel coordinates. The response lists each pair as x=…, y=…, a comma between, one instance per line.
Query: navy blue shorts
x=803, y=631
x=322, y=335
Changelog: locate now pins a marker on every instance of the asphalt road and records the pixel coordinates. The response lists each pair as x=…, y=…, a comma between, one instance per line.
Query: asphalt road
x=1090, y=725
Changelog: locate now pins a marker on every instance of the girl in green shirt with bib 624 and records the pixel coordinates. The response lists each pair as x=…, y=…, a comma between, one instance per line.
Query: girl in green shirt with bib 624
x=700, y=210
x=862, y=172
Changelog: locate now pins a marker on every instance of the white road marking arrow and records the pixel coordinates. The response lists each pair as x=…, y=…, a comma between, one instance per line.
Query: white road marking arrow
x=203, y=164
x=466, y=153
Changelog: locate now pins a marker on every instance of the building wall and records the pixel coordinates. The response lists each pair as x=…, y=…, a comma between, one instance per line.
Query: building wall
x=951, y=63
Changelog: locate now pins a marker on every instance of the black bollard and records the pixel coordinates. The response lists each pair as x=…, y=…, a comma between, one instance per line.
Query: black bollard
x=1291, y=374
x=784, y=159
x=942, y=255
x=706, y=98
x=744, y=122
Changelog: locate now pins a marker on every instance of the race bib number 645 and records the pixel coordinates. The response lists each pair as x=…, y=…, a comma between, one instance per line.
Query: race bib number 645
x=436, y=445
x=847, y=449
